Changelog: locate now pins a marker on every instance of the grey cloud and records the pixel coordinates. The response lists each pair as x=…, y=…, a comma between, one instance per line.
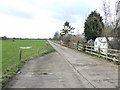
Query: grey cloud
x=63, y=12
x=15, y=12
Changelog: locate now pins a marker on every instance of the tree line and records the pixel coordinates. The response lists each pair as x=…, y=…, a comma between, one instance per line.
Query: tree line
x=93, y=27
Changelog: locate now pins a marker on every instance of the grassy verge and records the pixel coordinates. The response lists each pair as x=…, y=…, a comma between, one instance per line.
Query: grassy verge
x=10, y=55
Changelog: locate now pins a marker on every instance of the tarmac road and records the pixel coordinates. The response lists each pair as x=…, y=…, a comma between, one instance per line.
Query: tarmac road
x=66, y=68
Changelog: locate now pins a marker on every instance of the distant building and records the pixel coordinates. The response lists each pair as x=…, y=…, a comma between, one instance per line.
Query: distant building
x=91, y=42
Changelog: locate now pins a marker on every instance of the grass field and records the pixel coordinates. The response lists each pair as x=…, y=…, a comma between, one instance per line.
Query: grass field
x=10, y=55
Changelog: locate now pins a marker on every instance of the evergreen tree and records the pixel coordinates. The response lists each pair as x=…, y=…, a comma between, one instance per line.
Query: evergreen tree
x=93, y=26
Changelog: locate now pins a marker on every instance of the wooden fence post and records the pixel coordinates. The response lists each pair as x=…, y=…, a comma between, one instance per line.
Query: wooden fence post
x=20, y=54
x=77, y=45
x=85, y=48
x=119, y=55
x=107, y=54
x=99, y=51
x=91, y=49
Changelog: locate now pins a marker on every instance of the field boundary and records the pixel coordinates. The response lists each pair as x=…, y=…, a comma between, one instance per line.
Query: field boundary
x=111, y=54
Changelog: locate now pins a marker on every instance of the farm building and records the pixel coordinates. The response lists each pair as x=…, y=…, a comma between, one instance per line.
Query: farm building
x=90, y=42
x=101, y=44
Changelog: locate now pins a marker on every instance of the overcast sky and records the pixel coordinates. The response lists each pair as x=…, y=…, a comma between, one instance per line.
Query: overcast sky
x=42, y=18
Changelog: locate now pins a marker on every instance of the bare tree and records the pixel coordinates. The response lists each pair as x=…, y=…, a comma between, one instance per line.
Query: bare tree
x=116, y=30
x=56, y=36
x=111, y=27
x=107, y=11
x=107, y=19
x=65, y=32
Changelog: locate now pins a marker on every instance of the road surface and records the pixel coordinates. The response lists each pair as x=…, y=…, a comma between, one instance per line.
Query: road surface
x=66, y=68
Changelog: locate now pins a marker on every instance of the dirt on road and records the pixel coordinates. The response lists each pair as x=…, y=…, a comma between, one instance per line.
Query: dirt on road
x=66, y=68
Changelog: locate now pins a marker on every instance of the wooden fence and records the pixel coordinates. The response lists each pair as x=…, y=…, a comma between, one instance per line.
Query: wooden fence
x=111, y=54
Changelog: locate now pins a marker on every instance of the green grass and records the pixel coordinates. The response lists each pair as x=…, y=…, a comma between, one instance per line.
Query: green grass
x=10, y=55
